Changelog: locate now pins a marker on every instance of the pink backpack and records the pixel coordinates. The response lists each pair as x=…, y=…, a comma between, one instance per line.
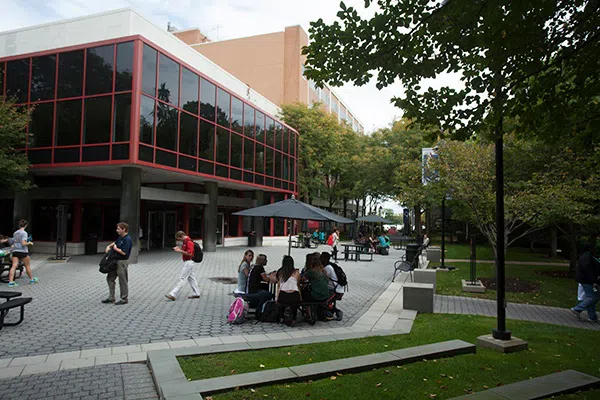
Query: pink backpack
x=237, y=311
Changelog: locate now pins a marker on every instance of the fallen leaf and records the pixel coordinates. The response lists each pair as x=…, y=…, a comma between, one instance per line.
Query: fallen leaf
x=253, y=391
x=262, y=366
x=443, y=387
x=338, y=374
x=387, y=371
x=209, y=398
x=385, y=345
x=451, y=377
x=486, y=387
x=232, y=371
x=379, y=384
x=432, y=396
x=424, y=379
x=443, y=375
x=333, y=378
x=289, y=354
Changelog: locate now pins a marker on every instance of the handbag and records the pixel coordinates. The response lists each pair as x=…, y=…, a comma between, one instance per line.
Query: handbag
x=108, y=263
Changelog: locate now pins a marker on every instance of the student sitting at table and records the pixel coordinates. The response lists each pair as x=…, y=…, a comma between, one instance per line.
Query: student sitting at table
x=384, y=241
x=288, y=293
x=257, y=286
x=322, y=237
x=315, y=282
x=243, y=272
x=336, y=291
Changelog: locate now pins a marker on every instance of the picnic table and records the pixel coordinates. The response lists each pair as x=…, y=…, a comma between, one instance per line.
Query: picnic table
x=400, y=242
x=353, y=252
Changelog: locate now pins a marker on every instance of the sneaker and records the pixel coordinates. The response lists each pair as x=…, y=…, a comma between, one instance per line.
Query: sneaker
x=193, y=297
x=592, y=320
x=33, y=280
x=12, y=284
x=108, y=301
x=339, y=315
x=168, y=296
x=576, y=313
x=121, y=302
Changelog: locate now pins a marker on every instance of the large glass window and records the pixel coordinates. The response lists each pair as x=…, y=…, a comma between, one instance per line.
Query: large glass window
x=166, y=127
x=17, y=79
x=189, y=91
x=286, y=171
x=68, y=122
x=260, y=126
x=222, y=145
x=40, y=128
x=260, y=158
x=286, y=141
x=293, y=143
x=207, y=100
x=248, y=155
x=168, y=80
x=236, y=114
x=248, y=120
x=207, y=140
x=70, y=74
x=188, y=134
x=270, y=132
x=292, y=170
x=121, y=117
x=270, y=155
x=223, y=114
x=124, y=66
x=278, y=164
x=96, y=126
x=149, y=70
x=43, y=76
x=147, y=120
x=236, y=151
x=99, y=66
x=278, y=136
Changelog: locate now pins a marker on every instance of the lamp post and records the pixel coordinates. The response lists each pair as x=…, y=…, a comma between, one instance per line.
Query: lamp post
x=443, y=264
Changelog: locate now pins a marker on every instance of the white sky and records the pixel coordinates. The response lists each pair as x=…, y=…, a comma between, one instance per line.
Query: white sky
x=220, y=19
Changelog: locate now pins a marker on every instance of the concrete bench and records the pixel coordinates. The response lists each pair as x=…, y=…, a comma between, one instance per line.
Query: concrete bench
x=434, y=253
x=539, y=388
x=418, y=297
x=425, y=276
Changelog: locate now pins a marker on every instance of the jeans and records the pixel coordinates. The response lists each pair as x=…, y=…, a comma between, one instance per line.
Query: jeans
x=187, y=275
x=589, y=303
x=256, y=300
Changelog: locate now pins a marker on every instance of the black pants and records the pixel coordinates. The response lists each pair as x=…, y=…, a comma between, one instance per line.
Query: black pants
x=334, y=253
x=256, y=300
x=291, y=300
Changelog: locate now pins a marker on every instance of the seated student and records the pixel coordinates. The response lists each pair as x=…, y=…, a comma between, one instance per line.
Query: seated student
x=314, y=274
x=336, y=291
x=315, y=235
x=288, y=293
x=322, y=237
x=243, y=272
x=426, y=240
x=257, y=287
x=372, y=244
x=384, y=241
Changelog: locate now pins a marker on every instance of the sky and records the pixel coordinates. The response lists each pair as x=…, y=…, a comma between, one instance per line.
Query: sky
x=219, y=20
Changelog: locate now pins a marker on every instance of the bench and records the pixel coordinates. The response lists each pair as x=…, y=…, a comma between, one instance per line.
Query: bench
x=425, y=276
x=9, y=295
x=7, y=306
x=418, y=297
x=542, y=387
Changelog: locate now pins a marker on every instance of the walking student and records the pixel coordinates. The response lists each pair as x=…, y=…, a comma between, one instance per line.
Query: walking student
x=21, y=253
x=187, y=270
x=122, y=247
x=588, y=275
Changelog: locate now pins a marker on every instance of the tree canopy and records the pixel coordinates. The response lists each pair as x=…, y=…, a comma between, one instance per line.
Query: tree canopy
x=13, y=162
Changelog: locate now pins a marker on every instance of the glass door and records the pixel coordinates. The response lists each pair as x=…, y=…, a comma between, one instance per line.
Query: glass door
x=170, y=228
x=220, y=229
x=155, y=230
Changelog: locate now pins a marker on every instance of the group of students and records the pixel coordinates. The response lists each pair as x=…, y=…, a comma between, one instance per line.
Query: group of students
x=316, y=282
x=372, y=242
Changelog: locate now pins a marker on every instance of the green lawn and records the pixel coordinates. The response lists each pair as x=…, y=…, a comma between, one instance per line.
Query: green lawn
x=557, y=292
x=485, y=252
x=551, y=348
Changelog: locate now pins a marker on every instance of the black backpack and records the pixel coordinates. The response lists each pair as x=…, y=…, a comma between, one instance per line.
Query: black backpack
x=341, y=275
x=108, y=263
x=198, y=254
x=269, y=312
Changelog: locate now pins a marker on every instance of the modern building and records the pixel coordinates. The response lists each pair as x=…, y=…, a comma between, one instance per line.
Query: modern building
x=130, y=123
x=273, y=65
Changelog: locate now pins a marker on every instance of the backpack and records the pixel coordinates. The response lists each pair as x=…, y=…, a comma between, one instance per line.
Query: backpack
x=108, y=263
x=330, y=240
x=269, y=312
x=198, y=254
x=384, y=251
x=237, y=311
x=341, y=275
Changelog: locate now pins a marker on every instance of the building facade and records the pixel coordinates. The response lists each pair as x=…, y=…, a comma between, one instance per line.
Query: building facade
x=272, y=64
x=131, y=124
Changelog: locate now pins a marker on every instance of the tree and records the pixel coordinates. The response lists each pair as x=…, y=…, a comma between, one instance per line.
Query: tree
x=13, y=162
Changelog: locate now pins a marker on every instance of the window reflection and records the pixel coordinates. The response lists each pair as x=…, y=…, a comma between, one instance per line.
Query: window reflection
x=207, y=140
x=149, y=70
x=121, y=117
x=124, y=66
x=248, y=155
x=188, y=134
x=248, y=120
x=236, y=114
x=166, y=127
x=68, y=122
x=260, y=158
x=43, y=77
x=17, y=79
x=99, y=69
x=189, y=91
x=147, y=120
x=96, y=126
x=207, y=100
x=223, y=114
x=222, y=145
x=70, y=74
x=260, y=126
x=40, y=128
x=236, y=151
x=168, y=80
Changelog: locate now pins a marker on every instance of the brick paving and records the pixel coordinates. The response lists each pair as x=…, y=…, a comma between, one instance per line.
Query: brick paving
x=66, y=313
x=524, y=312
x=114, y=382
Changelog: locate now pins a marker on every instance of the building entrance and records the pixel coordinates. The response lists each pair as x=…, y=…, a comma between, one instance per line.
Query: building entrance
x=162, y=226
x=220, y=229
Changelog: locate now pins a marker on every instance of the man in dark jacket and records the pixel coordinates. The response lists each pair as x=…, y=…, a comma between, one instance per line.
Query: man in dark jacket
x=588, y=274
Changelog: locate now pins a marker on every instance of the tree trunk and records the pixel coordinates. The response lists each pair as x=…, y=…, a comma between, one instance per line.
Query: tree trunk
x=573, y=249
x=553, y=242
x=417, y=220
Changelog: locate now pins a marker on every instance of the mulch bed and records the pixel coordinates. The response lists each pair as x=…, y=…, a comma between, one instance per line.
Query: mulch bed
x=557, y=274
x=512, y=285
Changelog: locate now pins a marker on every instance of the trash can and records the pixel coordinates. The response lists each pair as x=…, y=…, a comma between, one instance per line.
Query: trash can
x=252, y=239
x=91, y=244
x=411, y=251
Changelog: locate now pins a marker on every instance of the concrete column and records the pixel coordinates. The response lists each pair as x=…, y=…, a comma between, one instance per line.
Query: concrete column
x=131, y=183
x=257, y=222
x=209, y=239
x=21, y=209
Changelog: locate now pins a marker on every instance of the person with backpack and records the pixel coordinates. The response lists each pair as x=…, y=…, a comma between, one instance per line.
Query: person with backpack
x=588, y=275
x=257, y=286
x=337, y=283
x=334, y=241
x=243, y=272
x=187, y=274
x=288, y=293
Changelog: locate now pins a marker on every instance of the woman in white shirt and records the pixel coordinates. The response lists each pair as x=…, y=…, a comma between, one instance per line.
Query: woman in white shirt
x=288, y=293
x=243, y=271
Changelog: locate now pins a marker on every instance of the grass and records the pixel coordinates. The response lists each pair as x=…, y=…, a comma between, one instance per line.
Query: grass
x=485, y=252
x=556, y=292
x=551, y=348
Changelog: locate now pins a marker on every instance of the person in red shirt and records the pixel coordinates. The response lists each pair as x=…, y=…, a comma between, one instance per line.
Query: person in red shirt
x=187, y=270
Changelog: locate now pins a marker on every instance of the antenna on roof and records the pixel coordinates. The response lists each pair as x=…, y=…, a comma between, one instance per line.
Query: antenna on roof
x=171, y=28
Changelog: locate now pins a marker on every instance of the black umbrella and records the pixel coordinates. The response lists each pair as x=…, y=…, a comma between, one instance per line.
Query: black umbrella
x=293, y=209
x=374, y=218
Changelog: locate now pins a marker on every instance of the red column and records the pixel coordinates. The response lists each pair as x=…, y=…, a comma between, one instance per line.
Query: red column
x=77, y=217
